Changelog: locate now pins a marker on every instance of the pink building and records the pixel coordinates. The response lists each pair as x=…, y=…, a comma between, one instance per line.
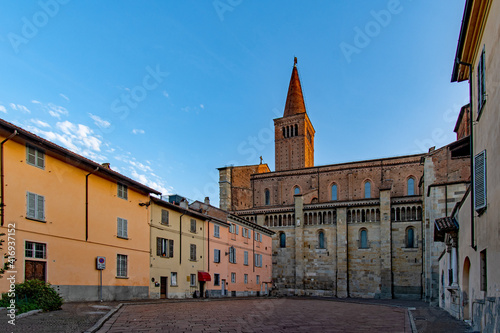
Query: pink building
x=238, y=254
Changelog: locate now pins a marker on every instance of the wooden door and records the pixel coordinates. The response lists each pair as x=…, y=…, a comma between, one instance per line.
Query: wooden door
x=163, y=287
x=34, y=270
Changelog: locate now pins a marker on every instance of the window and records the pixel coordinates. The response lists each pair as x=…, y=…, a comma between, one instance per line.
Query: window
x=245, y=258
x=484, y=270
x=368, y=189
x=192, y=280
x=296, y=190
x=321, y=240
x=260, y=237
x=481, y=89
x=122, y=191
x=121, y=265
x=363, y=239
x=35, y=250
x=256, y=236
x=258, y=260
x=334, y=192
x=258, y=279
x=173, y=279
x=35, y=157
x=216, y=279
x=236, y=228
x=192, y=252
x=216, y=231
x=231, y=228
x=267, y=195
x=233, y=277
x=35, y=206
x=411, y=186
x=216, y=255
x=282, y=239
x=245, y=278
x=164, y=216
x=410, y=237
x=480, y=181
x=164, y=247
x=232, y=255
x=244, y=232
x=193, y=225
x=249, y=235
x=122, y=228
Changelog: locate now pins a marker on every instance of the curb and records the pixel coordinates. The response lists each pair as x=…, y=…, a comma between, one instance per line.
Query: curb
x=29, y=313
x=412, y=321
x=105, y=318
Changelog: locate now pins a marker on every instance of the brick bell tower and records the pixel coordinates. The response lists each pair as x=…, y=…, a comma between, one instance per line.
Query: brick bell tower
x=294, y=133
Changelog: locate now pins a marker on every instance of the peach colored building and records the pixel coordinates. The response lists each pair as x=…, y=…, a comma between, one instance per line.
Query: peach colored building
x=63, y=211
x=239, y=254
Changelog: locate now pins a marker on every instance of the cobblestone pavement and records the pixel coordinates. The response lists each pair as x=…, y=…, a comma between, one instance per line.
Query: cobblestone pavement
x=242, y=315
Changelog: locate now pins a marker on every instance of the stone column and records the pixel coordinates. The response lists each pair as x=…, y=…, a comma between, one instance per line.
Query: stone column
x=342, y=278
x=299, y=244
x=385, y=244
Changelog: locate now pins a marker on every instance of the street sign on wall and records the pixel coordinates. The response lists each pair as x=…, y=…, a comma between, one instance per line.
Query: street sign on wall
x=101, y=263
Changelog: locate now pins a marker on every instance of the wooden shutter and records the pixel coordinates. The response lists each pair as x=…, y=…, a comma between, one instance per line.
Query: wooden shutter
x=40, y=159
x=158, y=246
x=170, y=248
x=31, y=203
x=480, y=180
x=40, y=207
x=164, y=216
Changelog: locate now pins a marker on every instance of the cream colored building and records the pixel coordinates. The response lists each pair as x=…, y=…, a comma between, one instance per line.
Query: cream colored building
x=177, y=257
x=474, y=254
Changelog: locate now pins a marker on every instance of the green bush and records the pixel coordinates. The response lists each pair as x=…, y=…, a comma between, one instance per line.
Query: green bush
x=32, y=295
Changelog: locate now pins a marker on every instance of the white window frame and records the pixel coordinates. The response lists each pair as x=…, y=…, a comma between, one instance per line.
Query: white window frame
x=216, y=231
x=121, y=265
x=122, y=191
x=173, y=279
x=192, y=280
x=35, y=206
x=121, y=228
x=245, y=258
x=36, y=157
x=35, y=250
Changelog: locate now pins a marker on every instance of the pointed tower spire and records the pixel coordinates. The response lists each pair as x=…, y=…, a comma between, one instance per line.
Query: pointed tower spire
x=294, y=100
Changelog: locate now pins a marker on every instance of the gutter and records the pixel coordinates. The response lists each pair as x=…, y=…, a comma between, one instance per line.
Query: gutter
x=2, y=202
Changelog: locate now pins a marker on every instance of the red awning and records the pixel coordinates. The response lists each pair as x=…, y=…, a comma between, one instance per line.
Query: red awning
x=204, y=276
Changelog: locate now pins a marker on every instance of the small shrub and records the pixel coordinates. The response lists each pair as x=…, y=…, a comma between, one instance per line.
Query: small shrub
x=32, y=295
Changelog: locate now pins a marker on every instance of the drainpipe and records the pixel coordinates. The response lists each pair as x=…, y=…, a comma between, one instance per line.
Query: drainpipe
x=2, y=203
x=471, y=136
x=87, y=203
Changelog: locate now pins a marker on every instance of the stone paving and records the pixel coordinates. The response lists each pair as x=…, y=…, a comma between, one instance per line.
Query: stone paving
x=243, y=315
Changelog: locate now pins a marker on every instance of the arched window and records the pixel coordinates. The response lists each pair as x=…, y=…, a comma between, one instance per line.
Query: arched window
x=268, y=197
x=410, y=237
x=296, y=190
x=368, y=189
x=296, y=130
x=321, y=240
x=334, y=192
x=282, y=239
x=363, y=239
x=284, y=132
x=411, y=186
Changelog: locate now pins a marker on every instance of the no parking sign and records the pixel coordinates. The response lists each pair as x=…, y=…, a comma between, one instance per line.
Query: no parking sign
x=101, y=263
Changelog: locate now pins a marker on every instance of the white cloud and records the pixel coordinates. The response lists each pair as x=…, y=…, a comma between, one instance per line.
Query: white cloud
x=165, y=93
x=40, y=123
x=64, y=96
x=3, y=109
x=138, y=131
x=202, y=106
x=19, y=107
x=36, y=102
x=56, y=111
x=13, y=106
x=99, y=121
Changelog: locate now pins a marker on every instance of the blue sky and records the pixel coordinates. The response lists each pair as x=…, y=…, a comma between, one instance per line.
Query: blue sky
x=168, y=91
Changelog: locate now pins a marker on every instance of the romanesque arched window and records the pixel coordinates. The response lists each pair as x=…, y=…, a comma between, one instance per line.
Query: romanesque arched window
x=410, y=184
x=296, y=190
x=410, y=237
x=368, y=189
x=363, y=238
x=267, y=197
x=282, y=239
x=321, y=240
x=334, y=192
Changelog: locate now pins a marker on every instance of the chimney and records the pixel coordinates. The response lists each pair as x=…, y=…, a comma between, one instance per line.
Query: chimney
x=107, y=165
x=207, y=201
x=184, y=203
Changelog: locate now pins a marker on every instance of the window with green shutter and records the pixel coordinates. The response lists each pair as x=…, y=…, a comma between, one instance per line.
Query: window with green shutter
x=122, y=228
x=35, y=205
x=481, y=89
x=164, y=247
x=480, y=181
x=122, y=191
x=35, y=157
x=164, y=216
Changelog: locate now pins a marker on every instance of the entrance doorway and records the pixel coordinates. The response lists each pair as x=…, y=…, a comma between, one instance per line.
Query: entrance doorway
x=163, y=287
x=223, y=287
x=34, y=270
x=465, y=289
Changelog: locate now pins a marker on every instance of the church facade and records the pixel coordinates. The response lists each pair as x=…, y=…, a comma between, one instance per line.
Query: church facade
x=346, y=230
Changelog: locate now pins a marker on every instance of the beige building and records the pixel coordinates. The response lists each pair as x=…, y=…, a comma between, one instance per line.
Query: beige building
x=473, y=229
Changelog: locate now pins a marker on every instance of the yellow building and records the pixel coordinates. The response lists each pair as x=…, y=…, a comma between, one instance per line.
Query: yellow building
x=62, y=211
x=177, y=250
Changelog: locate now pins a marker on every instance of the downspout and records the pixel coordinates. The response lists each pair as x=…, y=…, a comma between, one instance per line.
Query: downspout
x=347, y=257
x=253, y=248
x=208, y=244
x=87, y=203
x=471, y=136
x=2, y=203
